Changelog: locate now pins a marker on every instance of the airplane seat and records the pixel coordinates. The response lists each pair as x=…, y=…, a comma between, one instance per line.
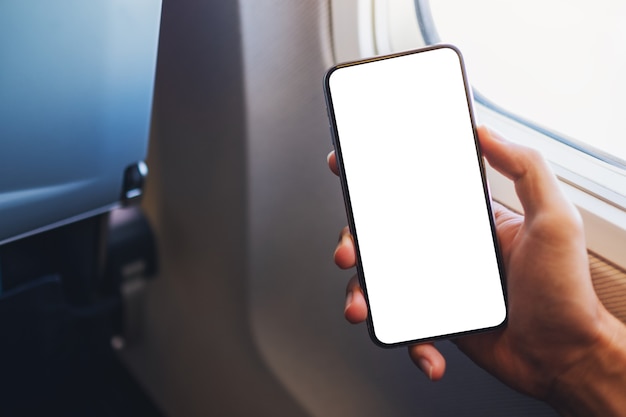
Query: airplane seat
x=75, y=106
x=61, y=312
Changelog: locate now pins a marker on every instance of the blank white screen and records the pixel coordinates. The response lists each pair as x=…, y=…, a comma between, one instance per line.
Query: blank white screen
x=417, y=199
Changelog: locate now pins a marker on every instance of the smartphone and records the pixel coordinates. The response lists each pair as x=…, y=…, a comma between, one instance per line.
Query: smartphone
x=416, y=196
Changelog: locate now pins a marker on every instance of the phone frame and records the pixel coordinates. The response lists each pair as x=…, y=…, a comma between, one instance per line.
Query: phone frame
x=348, y=204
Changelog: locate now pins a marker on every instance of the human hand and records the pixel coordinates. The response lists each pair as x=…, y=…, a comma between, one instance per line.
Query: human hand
x=555, y=319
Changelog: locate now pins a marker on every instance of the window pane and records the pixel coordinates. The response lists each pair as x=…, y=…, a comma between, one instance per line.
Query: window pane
x=557, y=63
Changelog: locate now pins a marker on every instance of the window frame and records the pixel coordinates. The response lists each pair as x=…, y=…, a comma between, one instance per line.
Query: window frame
x=602, y=207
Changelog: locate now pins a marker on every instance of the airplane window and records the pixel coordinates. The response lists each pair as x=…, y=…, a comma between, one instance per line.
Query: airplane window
x=558, y=64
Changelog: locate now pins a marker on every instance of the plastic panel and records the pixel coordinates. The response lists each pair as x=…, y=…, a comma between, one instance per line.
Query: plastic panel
x=77, y=82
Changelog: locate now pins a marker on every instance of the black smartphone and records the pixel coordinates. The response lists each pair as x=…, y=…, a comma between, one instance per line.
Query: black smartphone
x=416, y=195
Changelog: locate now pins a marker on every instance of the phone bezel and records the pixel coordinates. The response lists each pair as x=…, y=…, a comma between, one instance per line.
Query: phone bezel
x=348, y=203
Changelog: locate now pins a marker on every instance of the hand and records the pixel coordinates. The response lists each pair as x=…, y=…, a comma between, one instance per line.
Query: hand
x=555, y=319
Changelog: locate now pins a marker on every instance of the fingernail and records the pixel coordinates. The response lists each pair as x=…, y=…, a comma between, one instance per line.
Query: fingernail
x=328, y=156
x=426, y=367
x=349, y=297
x=336, y=249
